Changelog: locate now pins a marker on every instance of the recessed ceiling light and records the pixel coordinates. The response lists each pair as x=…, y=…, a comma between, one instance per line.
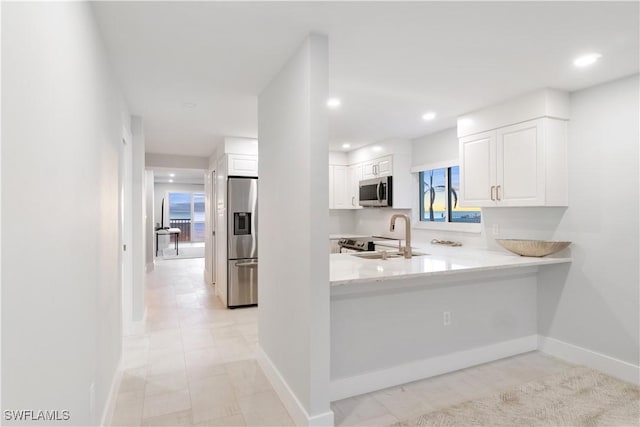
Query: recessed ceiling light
x=346, y=145
x=333, y=102
x=586, y=60
x=376, y=148
x=189, y=105
x=172, y=175
x=429, y=116
x=170, y=180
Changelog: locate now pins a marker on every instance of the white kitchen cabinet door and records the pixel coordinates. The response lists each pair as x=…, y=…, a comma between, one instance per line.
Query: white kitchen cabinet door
x=331, y=192
x=243, y=165
x=478, y=170
x=384, y=166
x=340, y=188
x=368, y=169
x=520, y=164
x=354, y=176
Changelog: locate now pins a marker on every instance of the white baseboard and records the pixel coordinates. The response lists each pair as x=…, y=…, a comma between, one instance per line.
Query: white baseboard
x=110, y=404
x=341, y=388
x=289, y=399
x=582, y=356
x=150, y=266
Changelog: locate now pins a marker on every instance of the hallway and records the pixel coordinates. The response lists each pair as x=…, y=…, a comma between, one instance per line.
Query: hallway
x=192, y=362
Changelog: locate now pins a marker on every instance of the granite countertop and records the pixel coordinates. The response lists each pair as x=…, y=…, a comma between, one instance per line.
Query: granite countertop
x=347, y=269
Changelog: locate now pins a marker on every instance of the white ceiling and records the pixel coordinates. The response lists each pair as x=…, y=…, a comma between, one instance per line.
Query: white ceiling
x=178, y=176
x=389, y=61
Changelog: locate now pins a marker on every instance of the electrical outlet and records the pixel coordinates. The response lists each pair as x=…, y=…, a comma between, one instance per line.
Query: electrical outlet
x=495, y=229
x=446, y=317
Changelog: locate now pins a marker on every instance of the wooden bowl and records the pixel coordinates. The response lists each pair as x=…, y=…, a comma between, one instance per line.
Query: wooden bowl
x=537, y=248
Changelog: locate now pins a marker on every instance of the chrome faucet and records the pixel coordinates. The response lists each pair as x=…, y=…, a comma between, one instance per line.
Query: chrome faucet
x=407, y=232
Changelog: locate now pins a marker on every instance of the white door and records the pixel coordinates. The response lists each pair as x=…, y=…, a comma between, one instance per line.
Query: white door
x=520, y=165
x=477, y=170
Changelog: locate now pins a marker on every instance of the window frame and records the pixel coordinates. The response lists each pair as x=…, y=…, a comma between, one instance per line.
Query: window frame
x=192, y=222
x=465, y=227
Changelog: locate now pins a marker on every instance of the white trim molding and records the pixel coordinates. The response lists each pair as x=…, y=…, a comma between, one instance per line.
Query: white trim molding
x=342, y=388
x=581, y=356
x=288, y=397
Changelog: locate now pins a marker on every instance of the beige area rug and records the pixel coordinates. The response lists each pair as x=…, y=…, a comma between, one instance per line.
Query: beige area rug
x=576, y=397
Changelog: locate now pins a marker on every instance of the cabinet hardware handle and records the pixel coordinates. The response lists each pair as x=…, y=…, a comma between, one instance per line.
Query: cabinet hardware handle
x=498, y=193
x=493, y=189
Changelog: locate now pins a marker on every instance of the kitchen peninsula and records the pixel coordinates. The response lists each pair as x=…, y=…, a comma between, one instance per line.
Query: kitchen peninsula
x=399, y=320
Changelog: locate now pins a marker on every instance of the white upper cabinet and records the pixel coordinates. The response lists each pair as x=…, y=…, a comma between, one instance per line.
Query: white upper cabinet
x=354, y=175
x=520, y=165
x=478, y=170
x=382, y=166
x=340, y=188
x=331, y=191
x=243, y=165
x=340, y=196
x=515, y=153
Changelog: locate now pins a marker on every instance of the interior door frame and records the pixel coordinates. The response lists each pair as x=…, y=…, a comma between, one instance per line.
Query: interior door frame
x=125, y=214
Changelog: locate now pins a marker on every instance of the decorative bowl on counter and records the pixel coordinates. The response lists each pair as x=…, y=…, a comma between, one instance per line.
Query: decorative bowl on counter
x=537, y=248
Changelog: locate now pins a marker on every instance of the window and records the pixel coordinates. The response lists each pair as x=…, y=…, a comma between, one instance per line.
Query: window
x=439, y=189
x=186, y=212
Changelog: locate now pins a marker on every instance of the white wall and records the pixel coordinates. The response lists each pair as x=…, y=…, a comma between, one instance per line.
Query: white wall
x=435, y=148
x=375, y=222
x=293, y=297
x=63, y=119
x=338, y=158
x=236, y=145
x=595, y=303
x=342, y=221
x=153, y=160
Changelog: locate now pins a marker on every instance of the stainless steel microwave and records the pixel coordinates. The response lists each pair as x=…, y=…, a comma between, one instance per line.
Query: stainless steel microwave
x=376, y=192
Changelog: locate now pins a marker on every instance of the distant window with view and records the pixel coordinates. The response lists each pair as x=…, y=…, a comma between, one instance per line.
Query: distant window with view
x=186, y=212
x=439, y=191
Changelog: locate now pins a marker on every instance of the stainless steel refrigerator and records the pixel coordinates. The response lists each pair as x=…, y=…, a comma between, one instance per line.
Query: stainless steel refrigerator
x=242, y=251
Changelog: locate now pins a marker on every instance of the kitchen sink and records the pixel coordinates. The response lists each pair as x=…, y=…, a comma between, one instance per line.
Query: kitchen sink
x=389, y=255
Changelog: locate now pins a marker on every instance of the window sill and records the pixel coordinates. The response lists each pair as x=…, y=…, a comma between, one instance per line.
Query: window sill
x=448, y=226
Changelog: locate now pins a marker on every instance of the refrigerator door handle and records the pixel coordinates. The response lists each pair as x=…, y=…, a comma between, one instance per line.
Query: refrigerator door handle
x=249, y=264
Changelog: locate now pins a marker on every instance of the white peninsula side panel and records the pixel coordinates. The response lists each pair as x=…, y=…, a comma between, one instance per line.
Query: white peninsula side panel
x=393, y=335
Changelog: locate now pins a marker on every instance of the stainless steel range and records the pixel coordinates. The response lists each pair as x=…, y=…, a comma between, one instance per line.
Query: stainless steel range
x=352, y=245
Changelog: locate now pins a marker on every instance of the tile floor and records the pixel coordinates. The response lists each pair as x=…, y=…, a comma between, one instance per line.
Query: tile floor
x=407, y=401
x=193, y=362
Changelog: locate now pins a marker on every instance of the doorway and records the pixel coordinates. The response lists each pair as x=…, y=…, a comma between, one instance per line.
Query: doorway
x=179, y=213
